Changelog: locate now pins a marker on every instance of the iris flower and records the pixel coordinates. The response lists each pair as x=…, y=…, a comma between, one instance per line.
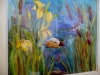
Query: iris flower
x=25, y=45
x=46, y=32
x=40, y=11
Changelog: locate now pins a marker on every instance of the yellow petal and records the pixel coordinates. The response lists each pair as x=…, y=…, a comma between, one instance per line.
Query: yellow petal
x=18, y=44
x=44, y=35
x=24, y=46
x=43, y=28
x=29, y=44
x=29, y=15
x=39, y=4
x=34, y=8
x=48, y=16
x=39, y=13
x=39, y=58
x=49, y=33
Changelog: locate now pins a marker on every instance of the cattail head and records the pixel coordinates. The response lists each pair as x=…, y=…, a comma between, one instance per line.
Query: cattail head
x=69, y=12
x=79, y=33
x=89, y=41
x=87, y=34
x=80, y=15
x=23, y=21
x=15, y=14
x=88, y=38
x=20, y=6
x=90, y=13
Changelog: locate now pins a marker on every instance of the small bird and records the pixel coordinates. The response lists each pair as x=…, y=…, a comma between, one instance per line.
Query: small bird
x=54, y=43
x=75, y=26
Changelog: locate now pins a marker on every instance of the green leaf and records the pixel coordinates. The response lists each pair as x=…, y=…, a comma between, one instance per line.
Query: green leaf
x=35, y=0
x=47, y=6
x=51, y=66
x=19, y=19
x=28, y=35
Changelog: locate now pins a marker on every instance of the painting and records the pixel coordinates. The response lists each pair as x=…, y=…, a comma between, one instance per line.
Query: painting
x=51, y=37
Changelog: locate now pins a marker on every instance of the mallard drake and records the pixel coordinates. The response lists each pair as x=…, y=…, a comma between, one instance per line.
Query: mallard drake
x=54, y=43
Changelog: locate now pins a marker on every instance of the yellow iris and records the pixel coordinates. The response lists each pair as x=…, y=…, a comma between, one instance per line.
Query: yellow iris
x=39, y=4
x=24, y=45
x=48, y=16
x=46, y=32
x=40, y=11
x=34, y=8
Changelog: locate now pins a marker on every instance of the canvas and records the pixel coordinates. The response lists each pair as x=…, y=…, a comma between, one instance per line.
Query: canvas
x=51, y=37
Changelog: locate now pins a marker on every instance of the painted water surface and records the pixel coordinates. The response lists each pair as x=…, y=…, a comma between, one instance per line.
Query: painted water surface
x=51, y=37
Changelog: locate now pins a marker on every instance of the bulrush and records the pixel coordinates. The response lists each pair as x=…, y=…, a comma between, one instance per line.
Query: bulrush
x=20, y=6
x=80, y=15
x=69, y=12
x=88, y=38
x=90, y=13
x=23, y=21
x=79, y=33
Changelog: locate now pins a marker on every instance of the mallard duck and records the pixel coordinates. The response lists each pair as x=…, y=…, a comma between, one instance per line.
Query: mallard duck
x=54, y=43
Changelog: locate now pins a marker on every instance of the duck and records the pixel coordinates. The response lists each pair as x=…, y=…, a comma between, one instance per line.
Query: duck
x=54, y=43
